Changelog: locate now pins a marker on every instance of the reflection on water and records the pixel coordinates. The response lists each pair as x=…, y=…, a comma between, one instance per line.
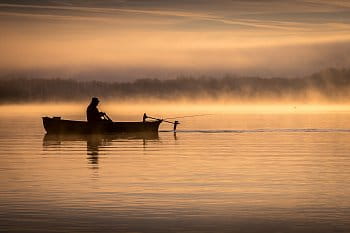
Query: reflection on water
x=228, y=173
x=92, y=146
x=96, y=141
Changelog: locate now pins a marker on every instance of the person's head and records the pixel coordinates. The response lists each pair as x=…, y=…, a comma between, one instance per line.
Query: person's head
x=94, y=101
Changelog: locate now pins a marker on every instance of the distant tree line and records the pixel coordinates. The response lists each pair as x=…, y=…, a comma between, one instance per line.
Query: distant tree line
x=329, y=85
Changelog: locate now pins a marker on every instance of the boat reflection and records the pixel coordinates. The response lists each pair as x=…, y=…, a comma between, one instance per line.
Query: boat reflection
x=94, y=142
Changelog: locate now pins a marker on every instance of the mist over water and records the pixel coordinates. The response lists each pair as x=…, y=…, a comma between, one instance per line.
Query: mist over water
x=261, y=89
x=257, y=168
x=327, y=86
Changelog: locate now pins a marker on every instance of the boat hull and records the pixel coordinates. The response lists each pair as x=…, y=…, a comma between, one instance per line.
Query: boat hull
x=56, y=125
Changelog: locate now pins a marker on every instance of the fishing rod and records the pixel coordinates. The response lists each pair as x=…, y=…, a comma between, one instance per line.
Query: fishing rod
x=188, y=116
x=175, y=123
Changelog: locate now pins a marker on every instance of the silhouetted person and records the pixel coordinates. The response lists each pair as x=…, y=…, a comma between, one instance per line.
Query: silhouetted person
x=92, y=112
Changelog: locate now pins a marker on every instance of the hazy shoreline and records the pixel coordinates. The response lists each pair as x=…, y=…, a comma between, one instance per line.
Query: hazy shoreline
x=328, y=86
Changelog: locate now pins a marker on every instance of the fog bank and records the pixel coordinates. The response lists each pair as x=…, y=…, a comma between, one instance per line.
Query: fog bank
x=331, y=85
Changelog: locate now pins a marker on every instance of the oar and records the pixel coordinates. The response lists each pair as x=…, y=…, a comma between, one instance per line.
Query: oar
x=175, y=123
x=106, y=116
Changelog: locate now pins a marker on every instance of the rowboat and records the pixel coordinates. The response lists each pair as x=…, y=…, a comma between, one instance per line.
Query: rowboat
x=56, y=125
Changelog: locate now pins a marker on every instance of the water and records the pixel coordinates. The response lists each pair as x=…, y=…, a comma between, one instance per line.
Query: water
x=249, y=172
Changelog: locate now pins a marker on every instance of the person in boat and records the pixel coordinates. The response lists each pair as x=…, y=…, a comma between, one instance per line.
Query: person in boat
x=92, y=112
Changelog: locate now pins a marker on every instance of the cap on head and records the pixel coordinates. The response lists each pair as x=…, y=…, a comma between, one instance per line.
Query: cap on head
x=94, y=100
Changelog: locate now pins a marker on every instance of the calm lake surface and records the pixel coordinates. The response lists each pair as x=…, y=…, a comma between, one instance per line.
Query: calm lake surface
x=259, y=170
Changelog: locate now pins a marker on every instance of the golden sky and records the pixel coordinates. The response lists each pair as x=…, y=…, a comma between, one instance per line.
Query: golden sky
x=134, y=37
